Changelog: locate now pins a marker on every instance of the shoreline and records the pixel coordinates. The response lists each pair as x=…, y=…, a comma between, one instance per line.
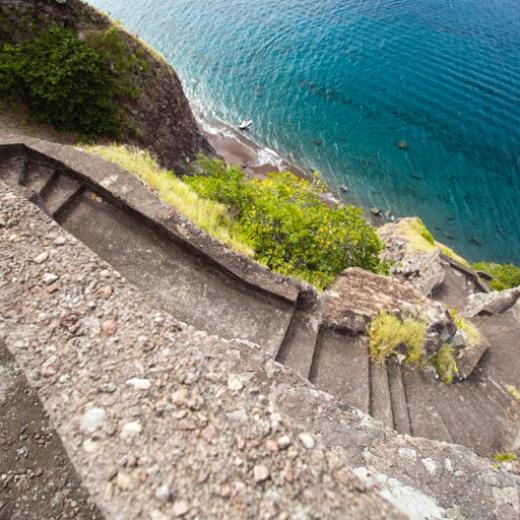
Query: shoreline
x=238, y=149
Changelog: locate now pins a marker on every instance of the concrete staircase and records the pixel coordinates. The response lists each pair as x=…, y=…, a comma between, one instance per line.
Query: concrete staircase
x=473, y=413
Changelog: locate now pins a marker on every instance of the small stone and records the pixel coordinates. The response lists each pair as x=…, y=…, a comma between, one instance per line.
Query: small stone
x=50, y=367
x=260, y=473
x=124, y=481
x=180, y=508
x=271, y=445
x=163, y=493
x=60, y=241
x=104, y=292
x=108, y=388
x=155, y=514
x=139, y=384
x=430, y=465
x=179, y=397
x=408, y=453
x=90, y=446
x=307, y=440
x=448, y=465
x=92, y=420
x=105, y=273
x=50, y=278
x=234, y=382
x=131, y=429
x=284, y=442
x=108, y=327
x=41, y=258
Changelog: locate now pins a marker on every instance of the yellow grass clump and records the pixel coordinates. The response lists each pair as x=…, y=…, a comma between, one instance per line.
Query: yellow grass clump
x=210, y=216
x=387, y=333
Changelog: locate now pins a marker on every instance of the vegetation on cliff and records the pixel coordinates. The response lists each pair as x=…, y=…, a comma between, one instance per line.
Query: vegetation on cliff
x=65, y=82
x=387, y=333
x=289, y=226
x=505, y=276
x=281, y=221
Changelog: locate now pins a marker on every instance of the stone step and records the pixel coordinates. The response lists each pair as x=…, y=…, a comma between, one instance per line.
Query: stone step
x=12, y=169
x=340, y=367
x=189, y=287
x=299, y=343
x=37, y=176
x=60, y=193
x=380, y=401
x=398, y=398
x=425, y=421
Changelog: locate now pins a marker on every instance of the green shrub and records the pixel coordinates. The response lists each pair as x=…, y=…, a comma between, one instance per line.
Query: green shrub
x=505, y=276
x=445, y=364
x=65, y=82
x=121, y=59
x=503, y=458
x=387, y=333
x=289, y=226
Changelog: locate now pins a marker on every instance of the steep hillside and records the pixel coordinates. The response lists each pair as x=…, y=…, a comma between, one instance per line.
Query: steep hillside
x=152, y=110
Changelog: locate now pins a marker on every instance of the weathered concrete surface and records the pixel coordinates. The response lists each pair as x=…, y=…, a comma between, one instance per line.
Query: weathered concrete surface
x=159, y=420
x=37, y=481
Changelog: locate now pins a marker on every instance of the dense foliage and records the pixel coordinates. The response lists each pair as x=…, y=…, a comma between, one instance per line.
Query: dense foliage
x=505, y=276
x=65, y=82
x=289, y=226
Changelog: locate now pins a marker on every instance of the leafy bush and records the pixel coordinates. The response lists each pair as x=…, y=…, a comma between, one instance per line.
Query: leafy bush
x=121, y=59
x=445, y=364
x=208, y=215
x=65, y=82
x=505, y=276
x=387, y=333
x=471, y=332
x=289, y=226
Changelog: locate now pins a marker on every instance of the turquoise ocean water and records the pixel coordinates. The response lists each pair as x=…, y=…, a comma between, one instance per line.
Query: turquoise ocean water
x=335, y=85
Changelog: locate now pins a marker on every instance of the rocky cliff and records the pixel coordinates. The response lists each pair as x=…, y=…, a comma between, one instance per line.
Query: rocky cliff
x=156, y=112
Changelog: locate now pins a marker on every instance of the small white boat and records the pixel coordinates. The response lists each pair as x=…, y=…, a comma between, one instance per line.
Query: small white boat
x=244, y=125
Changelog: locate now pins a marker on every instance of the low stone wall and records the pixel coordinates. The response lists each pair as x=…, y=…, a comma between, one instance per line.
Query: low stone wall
x=120, y=187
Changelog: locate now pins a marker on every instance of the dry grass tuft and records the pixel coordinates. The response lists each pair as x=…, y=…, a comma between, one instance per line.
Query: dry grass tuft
x=209, y=216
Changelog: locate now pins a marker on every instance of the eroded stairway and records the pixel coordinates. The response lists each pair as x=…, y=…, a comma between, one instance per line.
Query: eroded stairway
x=199, y=291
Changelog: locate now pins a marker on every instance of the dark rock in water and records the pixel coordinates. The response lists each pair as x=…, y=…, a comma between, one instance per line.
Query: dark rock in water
x=402, y=145
x=450, y=218
x=376, y=211
x=416, y=176
x=343, y=189
x=475, y=241
x=318, y=142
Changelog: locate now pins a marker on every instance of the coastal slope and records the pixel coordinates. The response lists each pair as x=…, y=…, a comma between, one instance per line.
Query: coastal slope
x=156, y=113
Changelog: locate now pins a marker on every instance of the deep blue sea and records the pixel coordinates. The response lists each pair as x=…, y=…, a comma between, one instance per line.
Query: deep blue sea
x=334, y=85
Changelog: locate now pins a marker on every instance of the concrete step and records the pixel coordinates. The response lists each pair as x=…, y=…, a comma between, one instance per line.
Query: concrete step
x=37, y=176
x=421, y=393
x=13, y=169
x=60, y=193
x=299, y=344
x=192, y=289
x=398, y=398
x=340, y=367
x=380, y=402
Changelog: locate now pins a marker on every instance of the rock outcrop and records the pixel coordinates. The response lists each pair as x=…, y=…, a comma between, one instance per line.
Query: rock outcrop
x=159, y=116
